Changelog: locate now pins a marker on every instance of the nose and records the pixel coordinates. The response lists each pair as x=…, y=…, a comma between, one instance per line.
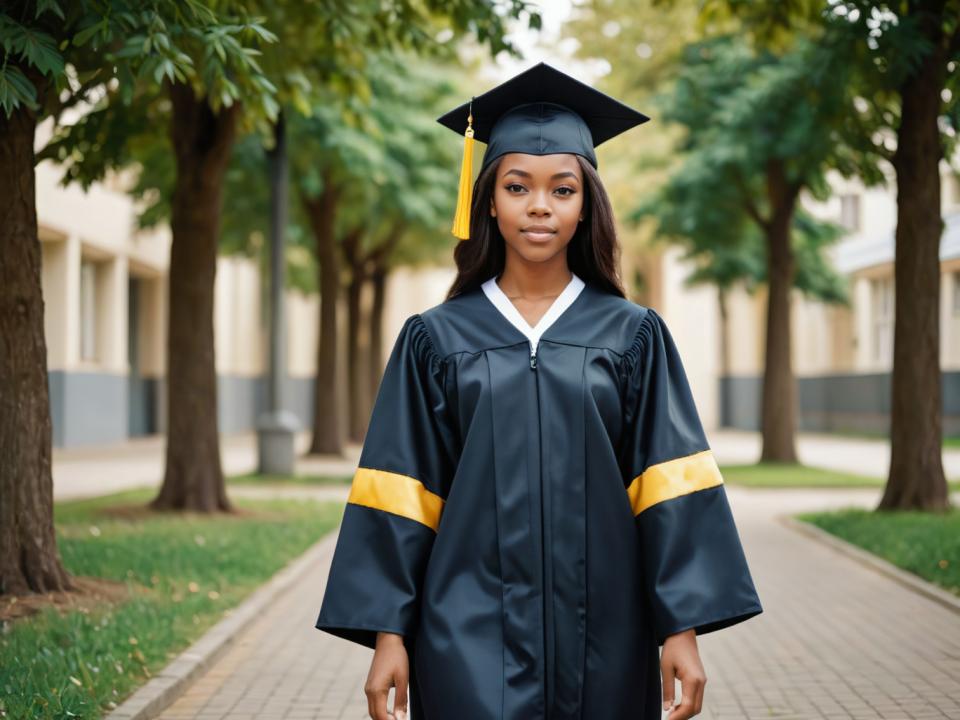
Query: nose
x=538, y=205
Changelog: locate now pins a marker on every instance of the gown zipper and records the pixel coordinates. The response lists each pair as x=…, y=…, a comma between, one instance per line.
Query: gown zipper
x=544, y=570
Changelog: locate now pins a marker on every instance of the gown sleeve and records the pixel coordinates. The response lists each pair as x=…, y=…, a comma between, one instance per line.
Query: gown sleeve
x=396, y=499
x=695, y=572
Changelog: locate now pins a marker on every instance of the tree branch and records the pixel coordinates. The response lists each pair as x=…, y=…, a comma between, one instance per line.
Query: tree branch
x=752, y=210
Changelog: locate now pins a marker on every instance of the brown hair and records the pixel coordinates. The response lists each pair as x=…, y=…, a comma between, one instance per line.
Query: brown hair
x=593, y=253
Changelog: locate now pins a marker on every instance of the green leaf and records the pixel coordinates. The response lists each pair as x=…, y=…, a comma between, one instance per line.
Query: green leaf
x=85, y=35
x=261, y=32
x=38, y=49
x=49, y=6
x=16, y=90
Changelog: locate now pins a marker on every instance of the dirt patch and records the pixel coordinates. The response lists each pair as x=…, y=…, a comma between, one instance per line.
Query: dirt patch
x=89, y=593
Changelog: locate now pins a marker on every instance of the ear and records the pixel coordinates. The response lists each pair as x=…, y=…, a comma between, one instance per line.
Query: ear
x=493, y=209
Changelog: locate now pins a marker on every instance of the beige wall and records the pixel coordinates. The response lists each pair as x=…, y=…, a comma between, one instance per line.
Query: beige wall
x=692, y=315
x=950, y=314
x=303, y=325
x=836, y=339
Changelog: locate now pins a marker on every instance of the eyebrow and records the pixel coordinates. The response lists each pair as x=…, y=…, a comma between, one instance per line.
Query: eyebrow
x=524, y=173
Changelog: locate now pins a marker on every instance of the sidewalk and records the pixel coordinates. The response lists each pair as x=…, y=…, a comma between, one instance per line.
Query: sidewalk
x=837, y=640
x=85, y=472
x=831, y=452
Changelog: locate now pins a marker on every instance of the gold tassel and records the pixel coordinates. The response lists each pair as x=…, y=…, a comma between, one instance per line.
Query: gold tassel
x=461, y=221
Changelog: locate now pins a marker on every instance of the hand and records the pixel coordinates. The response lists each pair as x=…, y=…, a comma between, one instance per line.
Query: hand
x=390, y=668
x=681, y=659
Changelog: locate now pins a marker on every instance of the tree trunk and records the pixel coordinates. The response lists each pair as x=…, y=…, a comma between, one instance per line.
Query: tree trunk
x=380, y=267
x=779, y=409
x=357, y=364
x=29, y=560
x=725, y=363
x=327, y=425
x=202, y=140
x=916, y=480
x=378, y=283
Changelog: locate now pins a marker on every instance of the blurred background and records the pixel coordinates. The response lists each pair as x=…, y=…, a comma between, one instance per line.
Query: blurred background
x=215, y=217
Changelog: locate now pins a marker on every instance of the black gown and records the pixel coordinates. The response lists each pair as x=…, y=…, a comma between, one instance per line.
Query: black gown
x=536, y=527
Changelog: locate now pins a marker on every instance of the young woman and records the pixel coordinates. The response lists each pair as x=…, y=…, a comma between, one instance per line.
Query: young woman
x=536, y=509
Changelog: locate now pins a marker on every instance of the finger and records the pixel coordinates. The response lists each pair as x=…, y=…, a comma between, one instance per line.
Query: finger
x=683, y=711
x=666, y=670
x=400, y=697
x=698, y=696
x=380, y=705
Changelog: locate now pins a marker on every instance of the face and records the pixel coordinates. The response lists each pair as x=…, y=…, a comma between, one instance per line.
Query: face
x=538, y=203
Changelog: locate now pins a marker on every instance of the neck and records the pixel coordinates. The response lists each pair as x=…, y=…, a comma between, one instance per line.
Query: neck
x=532, y=280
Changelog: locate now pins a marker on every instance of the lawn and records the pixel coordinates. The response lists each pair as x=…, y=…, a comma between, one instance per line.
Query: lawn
x=925, y=544
x=165, y=579
x=792, y=476
x=295, y=480
x=949, y=441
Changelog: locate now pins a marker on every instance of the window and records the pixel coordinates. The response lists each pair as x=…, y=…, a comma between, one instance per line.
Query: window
x=882, y=295
x=88, y=311
x=850, y=212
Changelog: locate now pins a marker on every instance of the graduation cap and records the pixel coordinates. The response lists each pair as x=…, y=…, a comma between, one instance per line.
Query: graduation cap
x=541, y=111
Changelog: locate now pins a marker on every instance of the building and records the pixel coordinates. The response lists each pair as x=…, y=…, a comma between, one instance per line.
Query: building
x=105, y=314
x=842, y=356
x=105, y=291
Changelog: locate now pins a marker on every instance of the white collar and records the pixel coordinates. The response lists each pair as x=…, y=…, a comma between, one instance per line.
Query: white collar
x=500, y=300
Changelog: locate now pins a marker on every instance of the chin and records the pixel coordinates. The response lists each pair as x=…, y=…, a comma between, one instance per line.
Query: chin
x=540, y=253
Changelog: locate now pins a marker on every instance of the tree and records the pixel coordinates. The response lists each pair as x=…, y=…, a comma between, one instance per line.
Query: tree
x=201, y=78
x=55, y=57
x=318, y=54
x=749, y=151
x=369, y=174
x=906, y=56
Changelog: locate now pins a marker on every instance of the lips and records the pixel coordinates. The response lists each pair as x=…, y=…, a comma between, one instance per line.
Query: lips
x=539, y=232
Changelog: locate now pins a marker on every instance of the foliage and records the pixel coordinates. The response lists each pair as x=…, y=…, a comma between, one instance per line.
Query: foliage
x=85, y=50
x=885, y=43
x=741, y=110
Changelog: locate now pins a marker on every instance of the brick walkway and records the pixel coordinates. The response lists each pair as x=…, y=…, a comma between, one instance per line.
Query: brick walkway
x=837, y=640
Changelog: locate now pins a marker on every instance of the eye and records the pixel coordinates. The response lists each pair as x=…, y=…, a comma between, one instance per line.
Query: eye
x=513, y=185
x=570, y=190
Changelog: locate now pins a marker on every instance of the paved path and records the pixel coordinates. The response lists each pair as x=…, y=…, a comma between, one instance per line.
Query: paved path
x=836, y=640
x=85, y=472
x=832, y=452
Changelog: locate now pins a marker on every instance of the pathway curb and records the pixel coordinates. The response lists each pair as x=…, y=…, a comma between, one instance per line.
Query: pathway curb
x=907, y=579
x=169, y=684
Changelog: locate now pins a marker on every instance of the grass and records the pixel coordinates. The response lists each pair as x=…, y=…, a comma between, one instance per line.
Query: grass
x=778, y=475
x=949, y=441
x=180, y=574
x=925, y=544
x=295, y=480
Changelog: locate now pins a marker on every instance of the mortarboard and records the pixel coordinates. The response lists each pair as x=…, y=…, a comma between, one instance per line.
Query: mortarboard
x=540, y=111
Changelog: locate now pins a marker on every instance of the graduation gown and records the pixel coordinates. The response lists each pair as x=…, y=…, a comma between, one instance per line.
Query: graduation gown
x=535, y=525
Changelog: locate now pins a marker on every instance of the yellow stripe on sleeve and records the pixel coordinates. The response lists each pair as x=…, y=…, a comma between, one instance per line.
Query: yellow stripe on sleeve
x=673, y=478
x=397, y=494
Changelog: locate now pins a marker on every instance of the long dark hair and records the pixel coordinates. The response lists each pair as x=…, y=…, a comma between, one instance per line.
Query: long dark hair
x=593, y=253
